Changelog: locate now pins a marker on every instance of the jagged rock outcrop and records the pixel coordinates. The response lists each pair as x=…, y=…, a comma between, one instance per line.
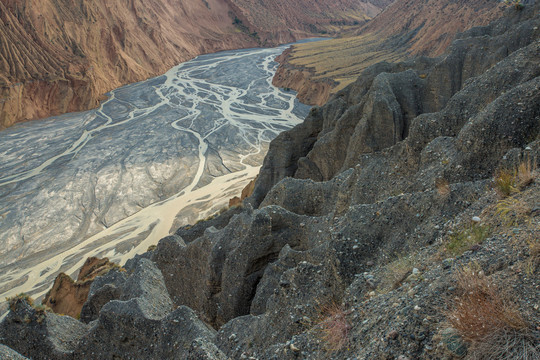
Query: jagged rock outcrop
x=66, y=296
x=221, y=269
x=392, y=102
x=392, y=169
x=39, y=334
x=61, y=57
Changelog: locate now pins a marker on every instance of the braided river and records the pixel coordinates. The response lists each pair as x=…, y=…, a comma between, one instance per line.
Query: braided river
x=156, y=155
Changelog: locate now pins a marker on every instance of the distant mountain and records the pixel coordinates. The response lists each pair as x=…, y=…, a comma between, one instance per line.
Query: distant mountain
x=404, y=28
x=58, y=56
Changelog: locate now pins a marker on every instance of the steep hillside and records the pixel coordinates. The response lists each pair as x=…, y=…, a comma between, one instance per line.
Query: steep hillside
x=315, y=16
x=404, y=28
x=399, y=221
x=60, y=56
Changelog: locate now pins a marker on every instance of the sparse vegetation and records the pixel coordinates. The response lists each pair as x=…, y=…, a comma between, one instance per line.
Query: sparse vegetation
x=526, y=172
x=40, y=309
x=487, y=319
x=505, y=182
x=12, y=301
x=462, y=240
x=396, y=272
x=333, y=326
x=342, y=59
x=517, y=4
x=508, y=181
x=512, y=211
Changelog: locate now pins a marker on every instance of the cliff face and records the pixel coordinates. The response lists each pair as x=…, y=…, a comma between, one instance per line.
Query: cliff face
x=59, y=56
x=347, y=247
x=428, y=27
x=404, y=28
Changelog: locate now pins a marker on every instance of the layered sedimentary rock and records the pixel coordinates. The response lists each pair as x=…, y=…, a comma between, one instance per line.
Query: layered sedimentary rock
x=317, y=226
x=62, y=56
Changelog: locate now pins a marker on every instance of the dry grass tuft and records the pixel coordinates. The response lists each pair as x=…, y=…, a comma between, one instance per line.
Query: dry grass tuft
x=526, y=172
x=512, y=211
x=443, y=187
x=508, y=181
x=487, y=318
x=505, y=182
x=333, y=326
x=507, y=344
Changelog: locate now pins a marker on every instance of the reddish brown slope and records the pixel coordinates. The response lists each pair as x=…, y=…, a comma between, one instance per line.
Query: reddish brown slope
x=433, y=23
x=63, y=55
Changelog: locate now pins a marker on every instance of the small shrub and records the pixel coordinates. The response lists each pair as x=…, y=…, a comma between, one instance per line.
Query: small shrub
x=151, y=248
x=517, y=4
x=487, y=319
x=526, y=172
x=12, y=301
x=333, y=326
x=461, y=241
x=508, y=181
x=505, y=182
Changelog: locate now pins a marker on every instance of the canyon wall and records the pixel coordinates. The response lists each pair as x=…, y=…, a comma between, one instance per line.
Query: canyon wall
x=60, y=56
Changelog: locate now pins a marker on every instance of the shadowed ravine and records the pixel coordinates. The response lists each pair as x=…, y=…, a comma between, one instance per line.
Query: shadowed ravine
x=156, y=155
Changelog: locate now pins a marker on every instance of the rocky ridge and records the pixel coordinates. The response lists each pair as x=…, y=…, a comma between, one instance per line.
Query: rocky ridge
x=351, y=226
x=62, y=56
x=404, y=28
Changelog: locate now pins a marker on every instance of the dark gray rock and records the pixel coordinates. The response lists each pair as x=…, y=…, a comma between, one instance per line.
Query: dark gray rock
x=285, y=150
x=39, y=334
x=218, y=273
x=140, y=323
x=192, y=232
x=8, y=354
x=295, y=306
x=142, y=280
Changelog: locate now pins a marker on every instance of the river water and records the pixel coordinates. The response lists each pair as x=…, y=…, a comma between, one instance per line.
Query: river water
x=156, y=155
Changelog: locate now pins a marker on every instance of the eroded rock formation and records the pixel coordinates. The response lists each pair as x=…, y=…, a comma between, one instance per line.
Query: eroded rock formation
x=68, y=296
x=339, y=196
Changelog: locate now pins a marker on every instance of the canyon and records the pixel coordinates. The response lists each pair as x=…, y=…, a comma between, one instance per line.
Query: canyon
x=156, y=155
x=370, y=223
x=62, y=56
x=397, y=221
